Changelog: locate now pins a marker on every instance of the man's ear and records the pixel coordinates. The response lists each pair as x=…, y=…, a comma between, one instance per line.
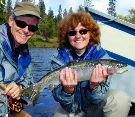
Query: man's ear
x=10, y=20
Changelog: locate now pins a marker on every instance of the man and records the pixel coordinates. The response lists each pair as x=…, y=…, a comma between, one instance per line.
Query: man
x=14, y=52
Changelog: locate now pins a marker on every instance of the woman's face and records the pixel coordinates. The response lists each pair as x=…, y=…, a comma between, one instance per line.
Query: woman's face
x=22, y=28
x=79, y=38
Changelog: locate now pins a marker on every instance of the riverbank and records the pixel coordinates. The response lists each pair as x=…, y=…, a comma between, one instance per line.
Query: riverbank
x=38, y=41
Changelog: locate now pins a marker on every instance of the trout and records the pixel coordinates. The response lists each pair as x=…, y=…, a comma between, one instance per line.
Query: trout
x=84, y=69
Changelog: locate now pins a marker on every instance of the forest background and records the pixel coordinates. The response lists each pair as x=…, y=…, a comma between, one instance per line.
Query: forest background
x=46, y=36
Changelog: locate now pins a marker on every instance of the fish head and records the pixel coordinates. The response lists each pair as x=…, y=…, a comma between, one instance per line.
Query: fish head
x=116, y=67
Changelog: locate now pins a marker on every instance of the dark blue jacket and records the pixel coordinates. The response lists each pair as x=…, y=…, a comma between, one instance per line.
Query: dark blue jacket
x=82, y=97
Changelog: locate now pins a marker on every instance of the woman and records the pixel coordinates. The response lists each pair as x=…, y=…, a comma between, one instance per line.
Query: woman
x=79, y=39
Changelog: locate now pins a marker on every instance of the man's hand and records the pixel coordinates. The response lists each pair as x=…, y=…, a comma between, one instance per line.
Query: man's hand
x=13, y=90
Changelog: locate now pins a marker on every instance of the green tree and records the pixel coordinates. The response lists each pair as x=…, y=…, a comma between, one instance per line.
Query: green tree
x=51, y=24
x=112, y=8
x=41, y=26
x=55, y=23
x=88, y=3
x=65, y=12
x=27, y=0
x=131, y=16
x=8, y=8
x=80, y=8
x=42, y=8
x=122, y=17
x=47, y=26
x=2, y=11
x=16, y=1
x=50, y=30
x=70, y=10
x=59, y=16
x=50, y=13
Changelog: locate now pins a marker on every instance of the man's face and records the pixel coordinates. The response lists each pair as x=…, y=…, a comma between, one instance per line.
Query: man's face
x=22, y=28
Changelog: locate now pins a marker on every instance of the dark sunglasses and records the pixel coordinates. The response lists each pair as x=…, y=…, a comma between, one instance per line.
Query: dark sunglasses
x=73, y=32
x=23, y=24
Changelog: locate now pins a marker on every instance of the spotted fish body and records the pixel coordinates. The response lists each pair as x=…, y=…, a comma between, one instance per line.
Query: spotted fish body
x=84, y=69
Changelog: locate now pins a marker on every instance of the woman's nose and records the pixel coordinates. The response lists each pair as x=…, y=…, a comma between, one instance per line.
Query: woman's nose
x=78, y=34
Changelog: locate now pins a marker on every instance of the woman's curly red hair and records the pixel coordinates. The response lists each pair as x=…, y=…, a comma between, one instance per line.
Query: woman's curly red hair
x=71, y=21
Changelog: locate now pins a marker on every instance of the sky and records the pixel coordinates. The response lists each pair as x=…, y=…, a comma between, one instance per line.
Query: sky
x=122, y=6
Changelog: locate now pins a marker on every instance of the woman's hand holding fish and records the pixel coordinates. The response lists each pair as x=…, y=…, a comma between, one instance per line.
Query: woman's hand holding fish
x=68, y=78
x=13, y=90
x=99, y=74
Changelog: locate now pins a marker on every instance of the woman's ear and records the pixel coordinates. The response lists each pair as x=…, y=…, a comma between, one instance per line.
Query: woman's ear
x=10, y=20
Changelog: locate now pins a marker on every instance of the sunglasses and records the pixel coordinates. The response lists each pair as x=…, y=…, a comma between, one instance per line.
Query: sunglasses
x=73, y=32
x=23, y=24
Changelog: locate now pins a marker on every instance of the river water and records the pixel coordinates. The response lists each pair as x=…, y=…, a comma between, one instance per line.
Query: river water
x=40, y=65
x=46, y=105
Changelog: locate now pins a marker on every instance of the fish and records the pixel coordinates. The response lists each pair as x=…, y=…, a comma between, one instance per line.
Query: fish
x=84, y=69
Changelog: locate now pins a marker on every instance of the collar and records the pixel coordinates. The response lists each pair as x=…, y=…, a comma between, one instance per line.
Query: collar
x=92, y=52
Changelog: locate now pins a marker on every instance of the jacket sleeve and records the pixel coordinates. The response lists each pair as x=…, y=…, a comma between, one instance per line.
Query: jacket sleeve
x=97, y=95
x=1, y=66
x=27, y=79
x=66, y=100
x=70, y=102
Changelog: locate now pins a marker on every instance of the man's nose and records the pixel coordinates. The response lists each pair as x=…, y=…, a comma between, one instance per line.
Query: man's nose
x=26, y=29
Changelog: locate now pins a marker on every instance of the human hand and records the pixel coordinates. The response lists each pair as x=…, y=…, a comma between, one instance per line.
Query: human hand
x=99, y=74
x=13, y=90
x=68, y=79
